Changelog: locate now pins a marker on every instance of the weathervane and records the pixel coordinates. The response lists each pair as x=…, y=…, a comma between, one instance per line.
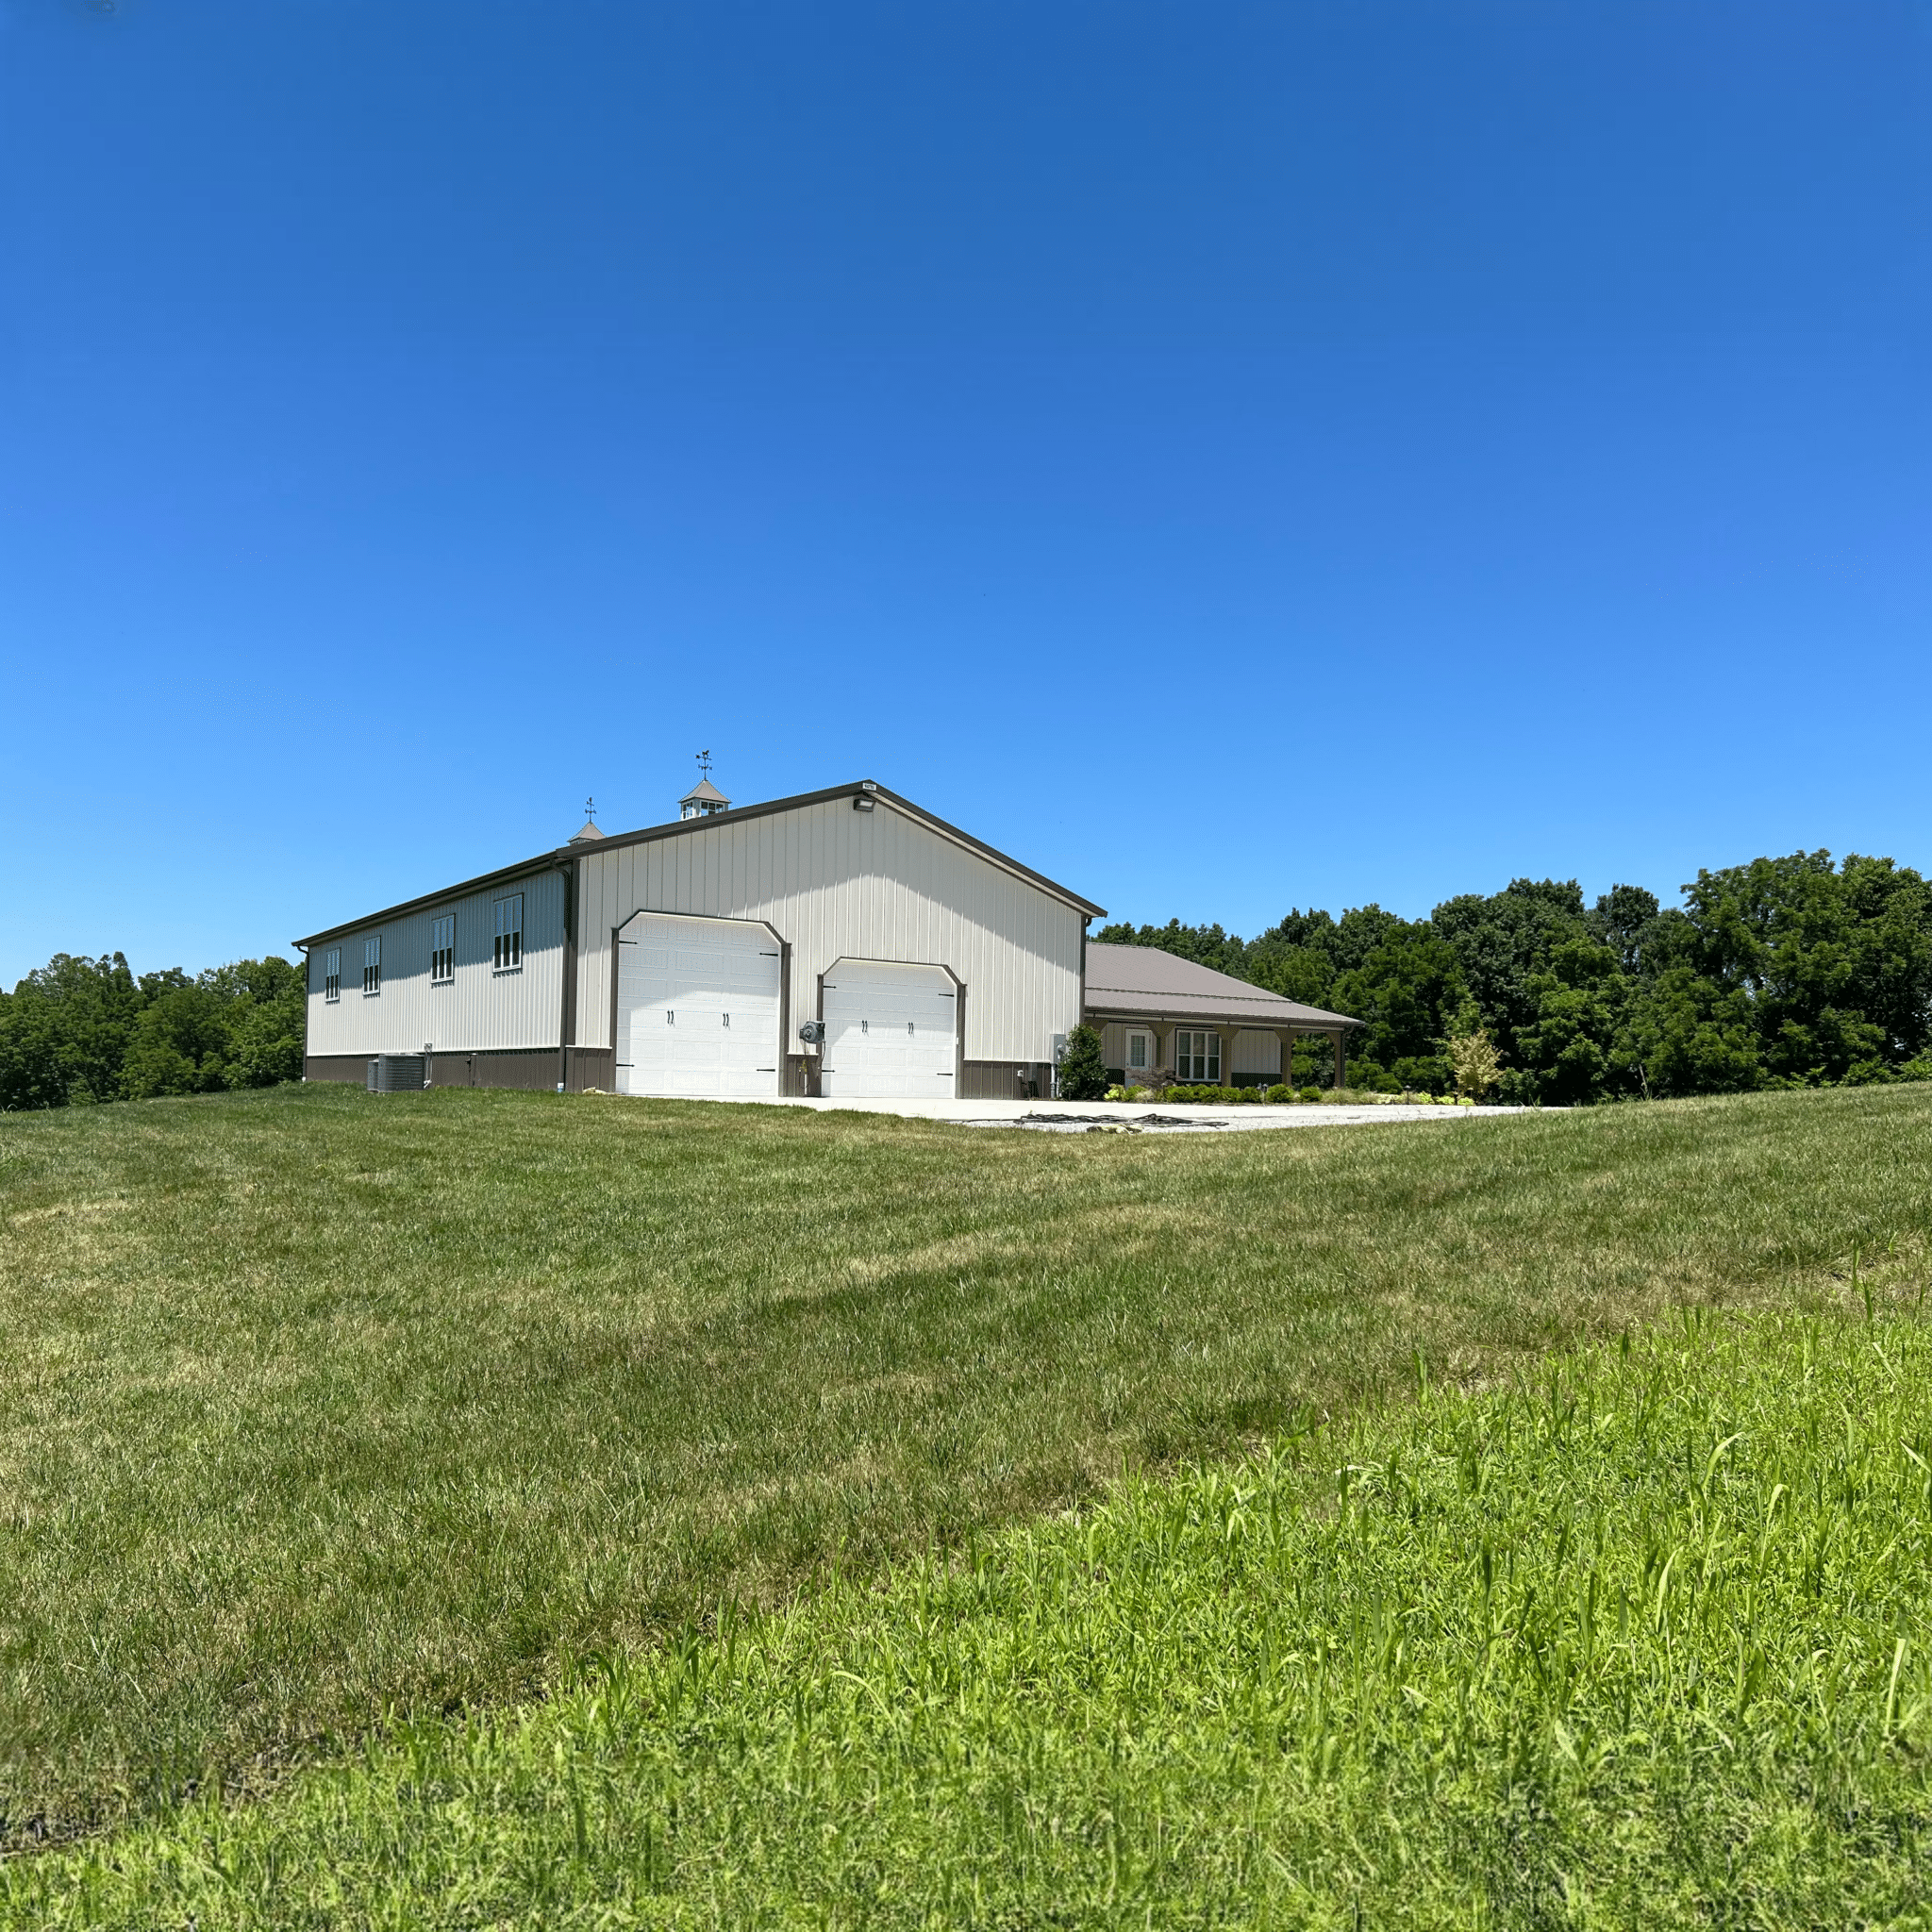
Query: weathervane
x=590, y=809
x=705, y=762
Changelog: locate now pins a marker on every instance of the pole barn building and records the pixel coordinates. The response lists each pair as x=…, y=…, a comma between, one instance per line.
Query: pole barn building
x=685, y=959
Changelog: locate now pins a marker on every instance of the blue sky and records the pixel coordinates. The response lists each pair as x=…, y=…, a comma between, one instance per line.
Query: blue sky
x=1230, y=456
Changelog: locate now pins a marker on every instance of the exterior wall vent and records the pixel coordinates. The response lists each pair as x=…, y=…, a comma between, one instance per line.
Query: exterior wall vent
x=398, y=1072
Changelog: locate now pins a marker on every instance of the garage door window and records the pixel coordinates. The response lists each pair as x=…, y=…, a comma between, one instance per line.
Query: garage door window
x=1197, y=1057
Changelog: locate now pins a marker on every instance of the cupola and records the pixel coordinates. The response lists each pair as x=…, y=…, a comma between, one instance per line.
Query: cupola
x=703, y=798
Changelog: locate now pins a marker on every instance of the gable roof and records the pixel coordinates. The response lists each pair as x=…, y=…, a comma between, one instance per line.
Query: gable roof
x=561, y=856
x=1145, y=981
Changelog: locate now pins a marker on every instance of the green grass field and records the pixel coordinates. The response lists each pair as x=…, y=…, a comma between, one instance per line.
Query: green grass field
x=1640, y=1640
x=321, y=1410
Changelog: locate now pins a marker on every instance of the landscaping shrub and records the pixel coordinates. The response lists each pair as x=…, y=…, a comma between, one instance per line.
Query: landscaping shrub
x=1083, y=1074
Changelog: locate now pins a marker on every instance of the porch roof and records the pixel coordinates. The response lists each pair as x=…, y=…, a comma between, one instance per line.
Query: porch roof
x=1143, y=983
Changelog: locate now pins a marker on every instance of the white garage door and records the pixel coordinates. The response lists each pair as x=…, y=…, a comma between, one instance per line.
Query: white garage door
x=888, y=1031
x=698, y=1007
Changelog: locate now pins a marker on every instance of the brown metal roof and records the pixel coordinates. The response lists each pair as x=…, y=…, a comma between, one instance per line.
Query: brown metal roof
x=1142, y=982
x=679, y=828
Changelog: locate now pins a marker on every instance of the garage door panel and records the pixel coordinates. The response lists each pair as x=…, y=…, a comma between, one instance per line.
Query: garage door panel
x=889, y=1030
x=698, y=1004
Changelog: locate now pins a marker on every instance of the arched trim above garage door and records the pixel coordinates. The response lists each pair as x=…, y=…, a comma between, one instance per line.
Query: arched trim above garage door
x=854, y=995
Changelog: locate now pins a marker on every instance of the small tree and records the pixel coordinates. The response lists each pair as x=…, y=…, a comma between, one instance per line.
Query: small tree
x=1082, y=1075
x=1476, y=1064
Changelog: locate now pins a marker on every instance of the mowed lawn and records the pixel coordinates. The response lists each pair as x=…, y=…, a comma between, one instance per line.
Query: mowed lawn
x=1638, y=1639
x=317, y=1408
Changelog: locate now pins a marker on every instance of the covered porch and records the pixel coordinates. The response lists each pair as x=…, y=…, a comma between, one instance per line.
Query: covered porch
x=1209, y=1051
x=1162, y=1016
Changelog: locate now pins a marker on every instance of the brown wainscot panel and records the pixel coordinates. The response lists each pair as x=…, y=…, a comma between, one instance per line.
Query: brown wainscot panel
x=351, y=1067
x=1005, y=1079
x=531, y=1068
x=592, y=1066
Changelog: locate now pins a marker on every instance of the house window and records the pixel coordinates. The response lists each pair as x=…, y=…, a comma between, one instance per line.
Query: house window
x=1197, y=1057
x=371, y=965
x=508, y=952
x=443, y=950
x=1139, y=1052
x=332, y=973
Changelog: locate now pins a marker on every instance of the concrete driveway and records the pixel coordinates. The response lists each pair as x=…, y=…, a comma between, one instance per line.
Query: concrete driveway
x=1084, y=1116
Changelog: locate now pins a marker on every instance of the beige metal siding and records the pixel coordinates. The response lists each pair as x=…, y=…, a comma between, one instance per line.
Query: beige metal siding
x=837, y=883
x=1257, y=1052
x=481, y=1010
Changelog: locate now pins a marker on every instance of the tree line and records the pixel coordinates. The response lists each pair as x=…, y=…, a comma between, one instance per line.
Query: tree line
x=1791, y=972
x=77, y=1031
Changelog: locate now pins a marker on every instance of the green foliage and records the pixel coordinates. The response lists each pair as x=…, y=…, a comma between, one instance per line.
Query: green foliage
x=64, y=1031
x=1215, y=1097
x=1473, y=1057
x=83, y=1030
x=1402, y=989
x=1083, y=1075
x=1782, y=973
x=1638, y=1637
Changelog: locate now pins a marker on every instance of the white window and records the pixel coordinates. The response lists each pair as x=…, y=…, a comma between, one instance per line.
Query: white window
x=1139, y=1053
x=509, y=954
x=371, y=965
x=332, y=973
x=1197, y=1057
x=443, y=950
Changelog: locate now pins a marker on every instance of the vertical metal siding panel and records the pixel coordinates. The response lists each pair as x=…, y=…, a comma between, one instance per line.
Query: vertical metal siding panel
x=610, y=910
x=594, y=998
x=589, y=950
x=616, y=908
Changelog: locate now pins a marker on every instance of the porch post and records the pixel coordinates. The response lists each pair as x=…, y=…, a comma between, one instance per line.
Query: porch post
x=1339, y=1035
x=1287, y=1040
x=1228, y=1035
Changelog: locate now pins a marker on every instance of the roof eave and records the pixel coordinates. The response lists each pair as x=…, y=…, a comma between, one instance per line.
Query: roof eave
x=1178, y=1007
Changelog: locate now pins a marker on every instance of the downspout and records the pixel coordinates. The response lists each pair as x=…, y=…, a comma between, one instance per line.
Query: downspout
x=566, y=1014
x=1080, y=1017
x=303, y=951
